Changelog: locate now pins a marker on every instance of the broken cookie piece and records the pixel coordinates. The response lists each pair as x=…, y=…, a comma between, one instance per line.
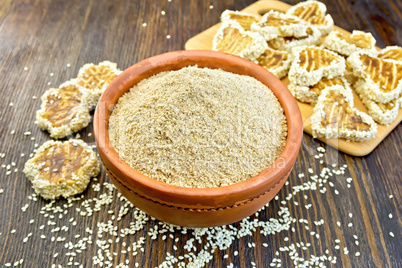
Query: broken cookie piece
x=61, y=168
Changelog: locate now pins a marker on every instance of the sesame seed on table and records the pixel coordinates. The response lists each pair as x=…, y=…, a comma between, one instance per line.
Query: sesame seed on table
x=335, y=210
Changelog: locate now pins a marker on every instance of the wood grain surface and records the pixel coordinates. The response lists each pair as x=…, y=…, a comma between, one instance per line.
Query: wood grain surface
x=40, y=39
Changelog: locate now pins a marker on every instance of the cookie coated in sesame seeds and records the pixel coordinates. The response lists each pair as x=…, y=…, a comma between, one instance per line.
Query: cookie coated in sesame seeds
x=381, y=79
x=62, y=168
x=313, y=12
x=313, y=37
x=233, y=39
x=64, y=110
x=275, y=24
x=94, y=79
x=335, y=116
x=311, y=64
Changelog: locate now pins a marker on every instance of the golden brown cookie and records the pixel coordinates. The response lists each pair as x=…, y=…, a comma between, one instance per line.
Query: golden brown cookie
x=275, y=61
x=381, y=80
x=61, y=168
x=312, y=64
x=244, y=19
x=346, y=45
x=275, y=24
x=94, y=79
x=383, y=113
x=231, y=38
x=64, y=110
x=313, y=12
x=313, y=37
x=391, y=53
x=335, y=117
x=310, y=94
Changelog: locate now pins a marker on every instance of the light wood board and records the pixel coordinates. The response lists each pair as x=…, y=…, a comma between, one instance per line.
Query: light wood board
x=203, y=41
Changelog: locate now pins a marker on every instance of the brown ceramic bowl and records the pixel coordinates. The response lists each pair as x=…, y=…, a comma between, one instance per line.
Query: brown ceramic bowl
x=196, y=207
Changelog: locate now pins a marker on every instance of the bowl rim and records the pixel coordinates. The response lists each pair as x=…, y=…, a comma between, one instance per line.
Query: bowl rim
x=198, y=195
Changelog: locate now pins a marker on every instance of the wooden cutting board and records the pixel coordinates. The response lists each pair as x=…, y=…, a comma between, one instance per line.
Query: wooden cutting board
x=203, y=41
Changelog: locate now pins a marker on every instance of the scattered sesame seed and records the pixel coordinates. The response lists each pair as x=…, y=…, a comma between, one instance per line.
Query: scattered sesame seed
x=144, y=25
x=390, y=215
x=163, y=13
x=68, y=65
x=25, y=68
x=391, y=234
x=391, y=196
x=211, y=7
x=357, y=254
x=51, y=74
x=168, y=36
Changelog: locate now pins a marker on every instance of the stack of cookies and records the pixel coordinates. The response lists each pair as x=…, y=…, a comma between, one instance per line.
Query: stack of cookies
x=268, y=40
x=65, y=110
x=64, y=168
x=302, y=44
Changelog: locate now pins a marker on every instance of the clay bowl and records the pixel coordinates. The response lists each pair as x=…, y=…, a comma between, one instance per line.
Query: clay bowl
x=196, y=207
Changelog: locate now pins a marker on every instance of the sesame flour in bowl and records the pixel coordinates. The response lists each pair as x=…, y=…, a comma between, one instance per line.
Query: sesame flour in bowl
x=198, y=127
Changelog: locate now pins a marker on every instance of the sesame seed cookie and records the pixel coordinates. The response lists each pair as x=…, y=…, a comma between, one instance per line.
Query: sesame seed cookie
x=313, y=12
x=312, y=64
x=94, y=79
x=346, y=45
x=335, y=116
x=231, y=38
x=62, y=168
x=275, y=24
x=64, y=110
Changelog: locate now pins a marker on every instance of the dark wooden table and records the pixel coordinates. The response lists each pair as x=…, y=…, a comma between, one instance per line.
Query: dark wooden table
x=39, y=40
